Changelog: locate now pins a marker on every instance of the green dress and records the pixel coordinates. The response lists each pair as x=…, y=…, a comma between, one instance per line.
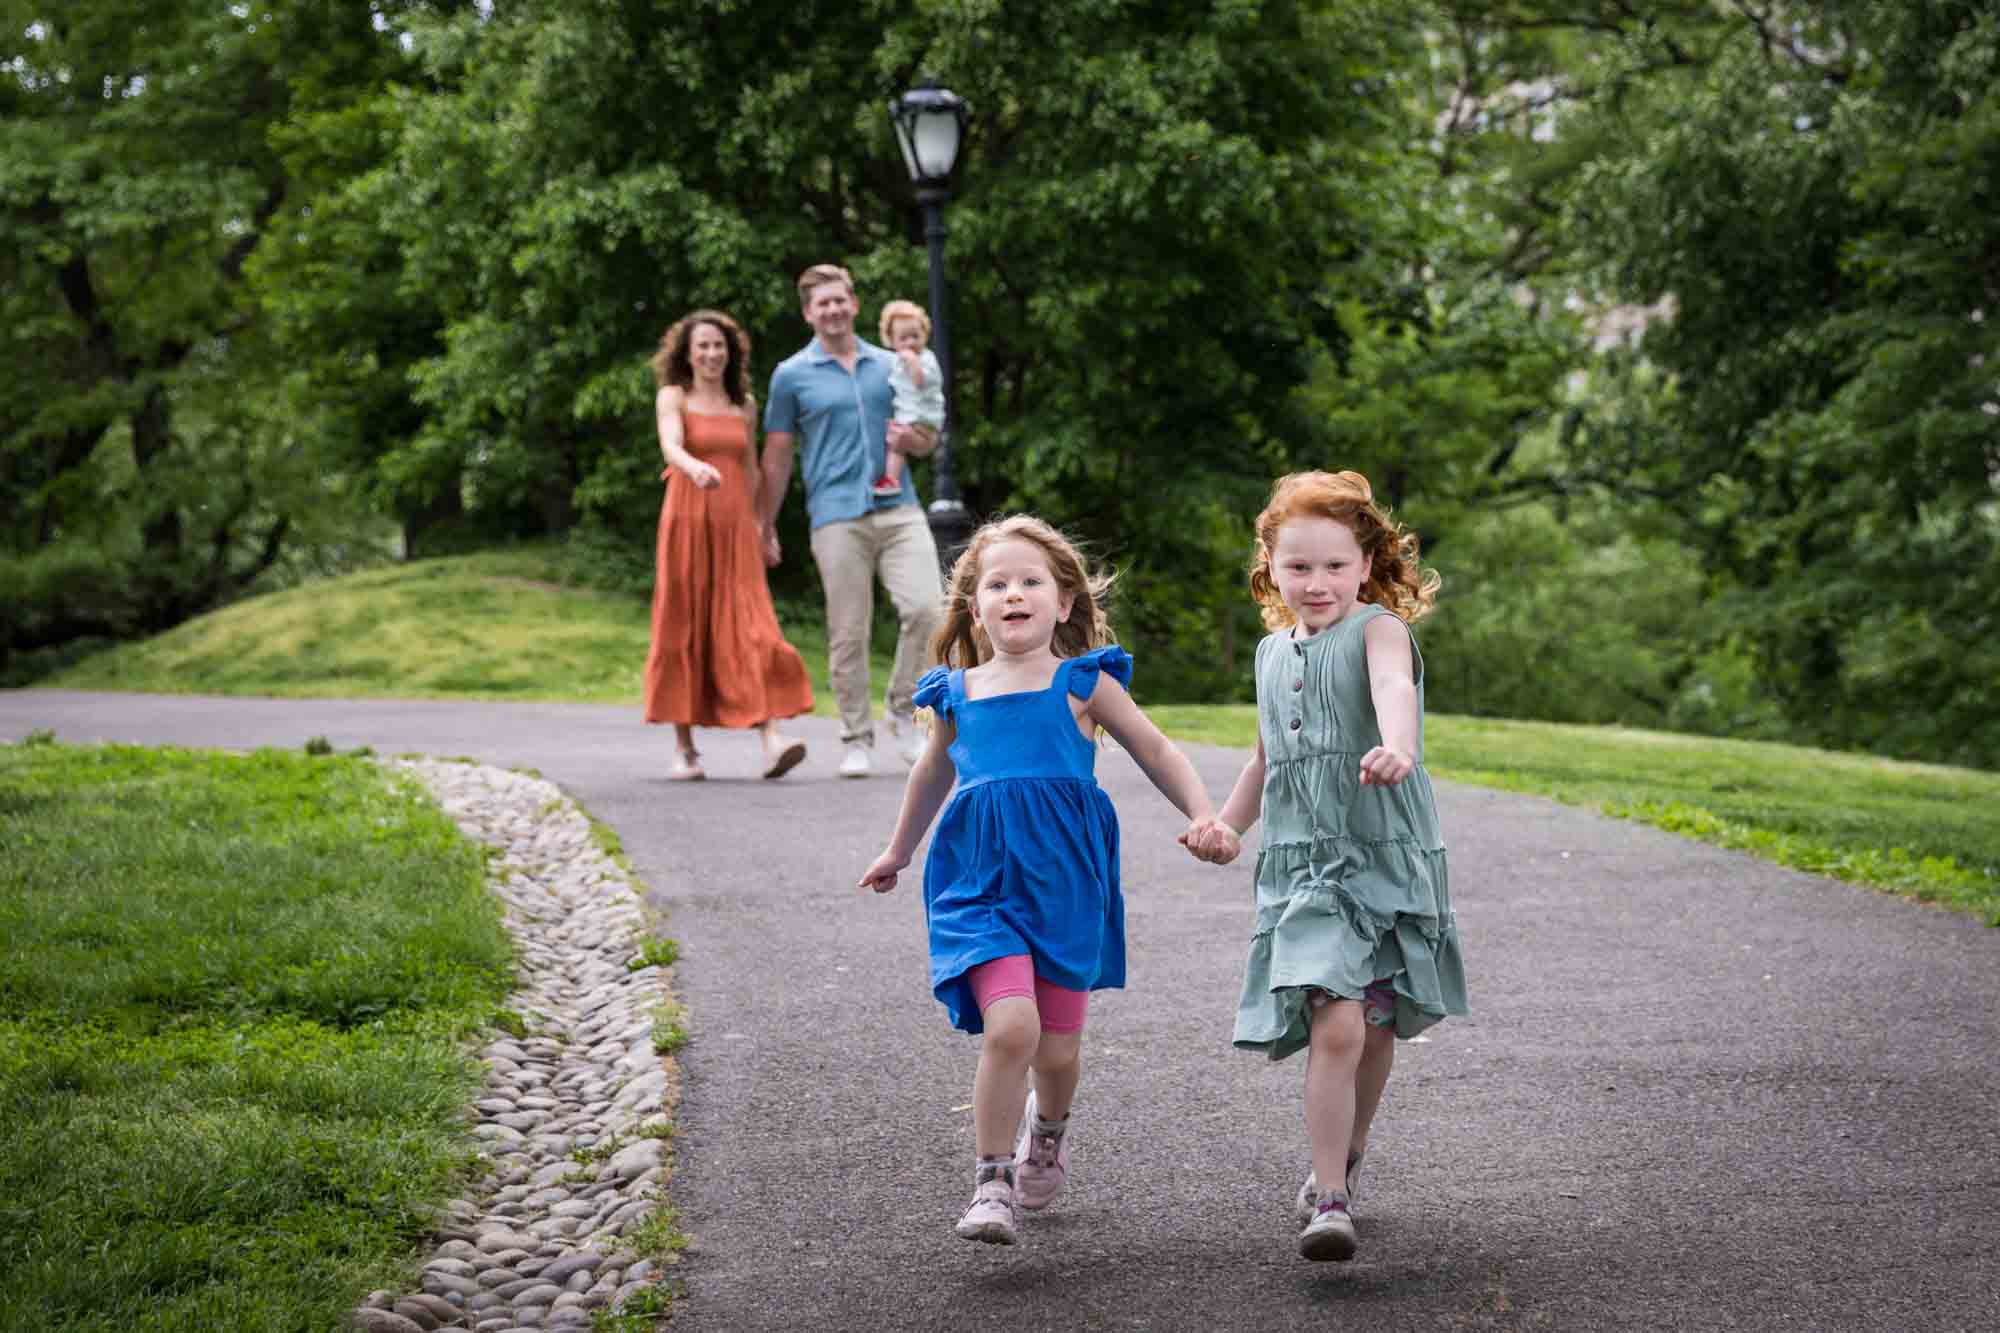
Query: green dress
x=1351, y=882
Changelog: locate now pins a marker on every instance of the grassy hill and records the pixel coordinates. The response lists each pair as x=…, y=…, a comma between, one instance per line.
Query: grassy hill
x=504, y=625
x=495, y=625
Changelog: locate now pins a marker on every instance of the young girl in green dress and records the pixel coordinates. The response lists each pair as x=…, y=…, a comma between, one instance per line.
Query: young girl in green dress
x=1354, y=944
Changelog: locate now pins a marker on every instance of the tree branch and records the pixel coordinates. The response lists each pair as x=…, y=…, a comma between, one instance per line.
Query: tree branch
x=1774, y=42
x=234, y=258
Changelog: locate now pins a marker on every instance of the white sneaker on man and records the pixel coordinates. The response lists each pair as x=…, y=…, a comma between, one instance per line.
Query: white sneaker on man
x=910, y=739
x=856, y=763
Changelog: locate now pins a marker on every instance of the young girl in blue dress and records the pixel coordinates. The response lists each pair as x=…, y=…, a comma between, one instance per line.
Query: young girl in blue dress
x=1021, y=886
x=1354, y=943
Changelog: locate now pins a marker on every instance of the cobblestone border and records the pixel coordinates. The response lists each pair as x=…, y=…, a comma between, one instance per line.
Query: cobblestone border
x=572, y=1116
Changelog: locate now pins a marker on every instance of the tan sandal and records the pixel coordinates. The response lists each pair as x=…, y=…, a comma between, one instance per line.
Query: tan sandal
x=688, y=769
x=786, y=759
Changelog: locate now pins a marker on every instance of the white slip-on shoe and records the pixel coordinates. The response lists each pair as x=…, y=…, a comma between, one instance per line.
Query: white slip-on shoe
x=856, y=763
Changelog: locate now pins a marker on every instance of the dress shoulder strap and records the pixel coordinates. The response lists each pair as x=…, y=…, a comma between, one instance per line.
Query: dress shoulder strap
x=1079, y=674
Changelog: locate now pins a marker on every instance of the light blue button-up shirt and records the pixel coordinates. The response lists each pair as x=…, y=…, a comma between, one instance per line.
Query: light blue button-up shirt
x=841, y=422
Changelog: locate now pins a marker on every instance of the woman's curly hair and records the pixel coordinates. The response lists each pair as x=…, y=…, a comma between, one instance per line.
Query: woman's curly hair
x=1395, y=579
x=671, y=364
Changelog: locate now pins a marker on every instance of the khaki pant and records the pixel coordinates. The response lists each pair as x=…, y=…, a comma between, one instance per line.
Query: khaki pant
x=896, y=545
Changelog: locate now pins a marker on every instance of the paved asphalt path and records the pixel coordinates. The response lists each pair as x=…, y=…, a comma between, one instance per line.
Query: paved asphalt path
x=1696, y=1090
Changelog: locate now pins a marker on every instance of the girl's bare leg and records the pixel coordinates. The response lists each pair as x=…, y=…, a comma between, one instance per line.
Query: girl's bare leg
x=1058, y=1063
x=1013, y=1030
x=1371, y=1076
x=1333, y=1055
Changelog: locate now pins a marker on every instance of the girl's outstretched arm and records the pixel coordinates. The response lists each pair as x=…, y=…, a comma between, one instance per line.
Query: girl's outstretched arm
x=1158, y=758
x=1392, y=685
x=930, y=782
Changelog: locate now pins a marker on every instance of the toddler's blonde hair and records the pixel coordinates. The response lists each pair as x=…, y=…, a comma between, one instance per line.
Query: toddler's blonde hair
x=896, y=310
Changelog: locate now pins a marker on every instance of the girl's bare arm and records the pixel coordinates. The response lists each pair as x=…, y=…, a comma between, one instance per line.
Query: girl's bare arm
x=930, y=782
x=1246, y=798
x=1392, y=685
x=1158, y=758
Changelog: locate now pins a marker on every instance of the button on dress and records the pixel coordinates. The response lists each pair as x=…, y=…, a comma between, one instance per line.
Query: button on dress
x=1025, y=856
x=1351, y=880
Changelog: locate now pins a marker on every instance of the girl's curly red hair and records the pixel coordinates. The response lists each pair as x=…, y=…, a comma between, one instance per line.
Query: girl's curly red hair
x=1395, y=579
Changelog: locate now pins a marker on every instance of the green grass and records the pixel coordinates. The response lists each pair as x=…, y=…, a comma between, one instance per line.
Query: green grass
x=495, y=625
x=501, y=625
x=1924, y=831
x=234, y=1010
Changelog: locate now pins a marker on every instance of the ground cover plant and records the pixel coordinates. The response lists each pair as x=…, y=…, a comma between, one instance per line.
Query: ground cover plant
x=1921, y=830
x=501, y=624
x=233, y=1011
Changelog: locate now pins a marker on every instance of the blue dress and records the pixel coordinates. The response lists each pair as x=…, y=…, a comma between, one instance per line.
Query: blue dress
x=1025, y=857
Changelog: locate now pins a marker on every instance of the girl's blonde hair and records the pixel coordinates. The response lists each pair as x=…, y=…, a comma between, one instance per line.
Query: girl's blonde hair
x=896, y=310
x=1395, y=579
x=961, y=642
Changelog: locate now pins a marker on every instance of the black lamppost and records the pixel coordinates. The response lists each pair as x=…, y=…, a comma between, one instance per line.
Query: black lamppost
x=930, y=125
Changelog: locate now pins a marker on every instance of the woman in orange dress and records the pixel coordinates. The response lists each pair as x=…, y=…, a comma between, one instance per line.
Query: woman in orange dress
x=718, y=656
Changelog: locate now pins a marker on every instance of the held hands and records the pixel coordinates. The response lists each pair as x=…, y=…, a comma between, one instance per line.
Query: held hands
x=881, y=876
x=1211, y=840
x=1383, y=767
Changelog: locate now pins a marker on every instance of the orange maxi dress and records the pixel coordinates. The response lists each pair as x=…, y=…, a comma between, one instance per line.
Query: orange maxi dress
x=718, y=656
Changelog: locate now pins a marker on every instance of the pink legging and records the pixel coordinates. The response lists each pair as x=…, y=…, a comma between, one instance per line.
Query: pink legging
x=1060, y=1007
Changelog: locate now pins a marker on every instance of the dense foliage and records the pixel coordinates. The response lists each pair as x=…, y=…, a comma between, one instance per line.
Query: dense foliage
x=152, y=462
x=1667, y=324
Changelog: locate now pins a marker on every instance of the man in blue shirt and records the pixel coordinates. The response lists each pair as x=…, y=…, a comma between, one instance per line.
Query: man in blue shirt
x=835, y=393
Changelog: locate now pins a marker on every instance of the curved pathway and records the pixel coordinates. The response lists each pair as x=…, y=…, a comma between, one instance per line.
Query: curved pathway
x=1696, y=1090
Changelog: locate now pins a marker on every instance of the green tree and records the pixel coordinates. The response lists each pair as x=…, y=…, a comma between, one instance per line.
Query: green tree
x=1163, y=213
x=1819, y=205
x=1802, y=196
x=146, y=469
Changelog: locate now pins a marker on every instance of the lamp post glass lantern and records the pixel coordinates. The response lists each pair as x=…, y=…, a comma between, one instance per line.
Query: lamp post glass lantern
x=930, y=122
x=930, y=125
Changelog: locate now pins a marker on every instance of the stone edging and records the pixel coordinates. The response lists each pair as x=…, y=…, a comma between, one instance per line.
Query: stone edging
x=545, y=1239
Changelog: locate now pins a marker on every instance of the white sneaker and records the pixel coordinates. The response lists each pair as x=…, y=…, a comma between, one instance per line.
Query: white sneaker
x=991, y=1217
x=856, y=763
x=1041, y=1161
x=1330, y=1234
x=910, y=739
